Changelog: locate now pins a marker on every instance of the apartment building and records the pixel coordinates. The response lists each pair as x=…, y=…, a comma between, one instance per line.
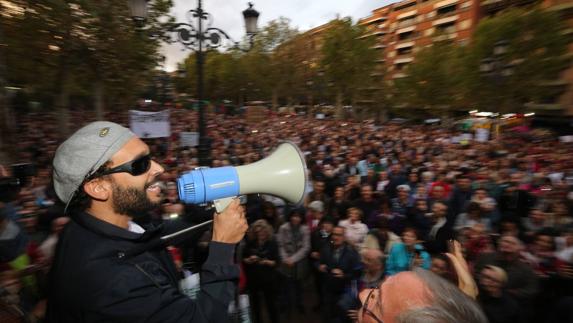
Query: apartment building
x=405, y=27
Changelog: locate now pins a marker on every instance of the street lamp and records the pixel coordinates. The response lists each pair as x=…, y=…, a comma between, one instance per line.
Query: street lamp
x=251, y=17
x=138, y=10
x=198, y=38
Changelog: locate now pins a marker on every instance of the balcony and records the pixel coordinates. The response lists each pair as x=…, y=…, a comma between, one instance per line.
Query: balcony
x=404, y=60
x=446, y=11
x=447, y=36
x=566, y=7
x=405, y=30
x=445, y=3
x=371, y=34
x=444, y=21
x=405, y=45
x=379, y=46
x=373, y=20
x=406, y=23
x=493, y=6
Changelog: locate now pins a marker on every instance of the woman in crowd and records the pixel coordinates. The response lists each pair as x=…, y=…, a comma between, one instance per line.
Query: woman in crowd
x=294, y=246
x=261, y=257
x=408, y=254
x=355, y=230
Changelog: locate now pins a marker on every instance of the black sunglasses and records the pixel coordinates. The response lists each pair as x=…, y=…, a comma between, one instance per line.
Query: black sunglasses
x=135, y=167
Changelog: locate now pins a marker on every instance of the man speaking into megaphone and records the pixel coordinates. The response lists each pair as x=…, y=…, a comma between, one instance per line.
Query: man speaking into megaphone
x=107, y=178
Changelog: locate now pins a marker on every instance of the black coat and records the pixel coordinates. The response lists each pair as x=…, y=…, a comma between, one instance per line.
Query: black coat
x=349, y=262
x=260, y=275
x=90, y=283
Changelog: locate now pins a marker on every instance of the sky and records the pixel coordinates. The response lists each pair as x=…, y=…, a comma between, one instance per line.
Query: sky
x=303, y=14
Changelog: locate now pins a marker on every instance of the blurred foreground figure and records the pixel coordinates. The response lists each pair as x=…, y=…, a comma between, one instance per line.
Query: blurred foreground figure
x=421, y=296
x=418, y=296
x=107, y=178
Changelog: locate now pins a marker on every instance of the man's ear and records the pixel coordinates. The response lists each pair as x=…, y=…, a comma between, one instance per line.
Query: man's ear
x=98, y=189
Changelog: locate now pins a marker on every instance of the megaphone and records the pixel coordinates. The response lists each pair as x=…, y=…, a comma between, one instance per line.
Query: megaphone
x=282, y=174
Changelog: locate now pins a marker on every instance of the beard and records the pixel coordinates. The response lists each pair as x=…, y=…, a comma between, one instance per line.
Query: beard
x=132, y=201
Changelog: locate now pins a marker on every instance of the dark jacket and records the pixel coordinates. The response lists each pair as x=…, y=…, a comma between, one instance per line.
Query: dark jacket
x=348, y=261
x=522, y=283
x=260, y=275
x=90, y=283
x=457, y=203
x=502, y=309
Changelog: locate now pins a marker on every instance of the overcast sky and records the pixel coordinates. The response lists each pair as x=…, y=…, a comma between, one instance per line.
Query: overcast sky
x=304, y=15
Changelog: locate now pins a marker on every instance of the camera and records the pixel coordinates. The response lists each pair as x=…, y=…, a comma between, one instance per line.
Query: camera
x=23, y=172
x=9, y=189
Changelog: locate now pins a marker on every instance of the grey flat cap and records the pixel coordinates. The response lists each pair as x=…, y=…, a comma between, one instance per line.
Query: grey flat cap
x=84, y=152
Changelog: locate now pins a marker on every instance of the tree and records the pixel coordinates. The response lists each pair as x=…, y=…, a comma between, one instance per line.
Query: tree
x=234, y=74
x=536, y=53
x=432, y=81
x=82, y=48
x=347, y=60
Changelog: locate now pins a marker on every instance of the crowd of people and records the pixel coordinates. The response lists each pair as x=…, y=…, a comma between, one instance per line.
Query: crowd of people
x=382, y=199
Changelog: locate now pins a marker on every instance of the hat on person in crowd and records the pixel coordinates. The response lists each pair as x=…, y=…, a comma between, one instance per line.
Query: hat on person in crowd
x=403, y=187
x=317, y=206
x=82, y=154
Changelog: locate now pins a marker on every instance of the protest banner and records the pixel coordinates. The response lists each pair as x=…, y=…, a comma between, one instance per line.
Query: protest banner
x=150, y=124
x=189, y=139
x=482, y=135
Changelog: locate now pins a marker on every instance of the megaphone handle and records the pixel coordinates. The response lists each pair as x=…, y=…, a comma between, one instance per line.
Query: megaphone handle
x=221, y=204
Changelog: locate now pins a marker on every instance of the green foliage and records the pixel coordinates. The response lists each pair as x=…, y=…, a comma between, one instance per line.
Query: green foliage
x=536, y=53
x=254, y=75
x=433, y=79
x=275, y=33
x=60, y=46
x=447, y=76
x=347, y=59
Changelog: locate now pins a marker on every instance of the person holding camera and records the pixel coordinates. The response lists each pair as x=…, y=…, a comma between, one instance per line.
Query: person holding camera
x=341, y=266
x=260, y=257
x=107, y=178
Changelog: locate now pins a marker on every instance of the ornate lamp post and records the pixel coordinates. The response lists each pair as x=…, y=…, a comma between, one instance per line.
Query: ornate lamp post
x=199, y=38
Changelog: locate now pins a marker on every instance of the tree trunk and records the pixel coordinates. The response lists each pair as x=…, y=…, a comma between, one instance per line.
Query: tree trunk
x=6, y=117
x=275, y=100
x=63, y=101
x=98, y=96
x=339, y=109
x=309, y=105
x=381, y=114
x=357, y=113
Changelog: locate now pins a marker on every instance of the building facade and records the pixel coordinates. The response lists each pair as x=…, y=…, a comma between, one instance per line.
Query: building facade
x=403, y=28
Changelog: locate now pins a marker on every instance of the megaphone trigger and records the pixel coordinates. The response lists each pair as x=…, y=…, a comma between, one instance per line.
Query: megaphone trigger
x=221, y=204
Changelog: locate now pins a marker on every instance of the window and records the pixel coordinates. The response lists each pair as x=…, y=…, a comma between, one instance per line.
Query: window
x=446, y=10
x=406, y=22
x=401, y=66
x=446, y=28
x=406, y=35
x=405, y=50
